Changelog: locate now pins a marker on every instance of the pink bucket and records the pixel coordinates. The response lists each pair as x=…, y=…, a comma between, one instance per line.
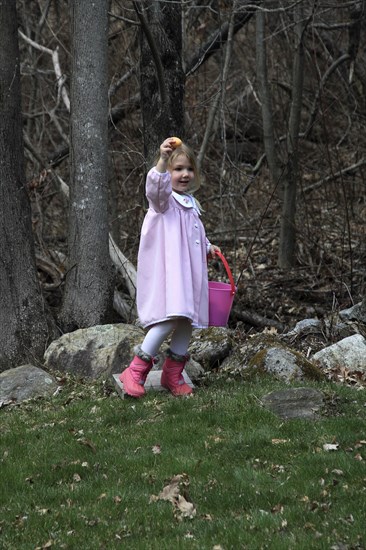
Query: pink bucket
x=220, y=298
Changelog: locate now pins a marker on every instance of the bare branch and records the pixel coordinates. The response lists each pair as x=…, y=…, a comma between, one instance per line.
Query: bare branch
x=347, y=170
x=56, y=65
x=216, y=40
x=325, y=77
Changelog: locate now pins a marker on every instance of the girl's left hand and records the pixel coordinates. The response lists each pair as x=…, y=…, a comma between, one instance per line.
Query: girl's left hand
x=212, y=251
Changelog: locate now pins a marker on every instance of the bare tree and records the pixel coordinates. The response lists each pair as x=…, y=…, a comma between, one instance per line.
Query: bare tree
x=266, y=99
x=88, y=293
x=287, y=176
x=24, y=328
x=286, y=253
x=162, y=76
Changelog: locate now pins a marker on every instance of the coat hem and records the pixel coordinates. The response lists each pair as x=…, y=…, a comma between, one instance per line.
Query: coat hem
x=169, y=318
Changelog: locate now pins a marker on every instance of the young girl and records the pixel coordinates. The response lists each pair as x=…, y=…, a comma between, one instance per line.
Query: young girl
x=172, y=282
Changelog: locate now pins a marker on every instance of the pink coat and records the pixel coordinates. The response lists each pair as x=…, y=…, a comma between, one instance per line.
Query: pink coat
x=172, y=276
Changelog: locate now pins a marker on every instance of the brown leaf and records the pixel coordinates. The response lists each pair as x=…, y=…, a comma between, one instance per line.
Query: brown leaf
x=183, y=508
x=170, y=492
x=277, y=509
x=186, y=509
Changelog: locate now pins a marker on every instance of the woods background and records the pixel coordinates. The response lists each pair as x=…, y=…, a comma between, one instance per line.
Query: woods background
x=270, y=94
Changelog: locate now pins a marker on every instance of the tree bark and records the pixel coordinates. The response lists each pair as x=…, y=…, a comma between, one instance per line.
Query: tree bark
x=162, y=76
x=266, y=99
x=25, y=326
x=88, y=290
x=286, y=253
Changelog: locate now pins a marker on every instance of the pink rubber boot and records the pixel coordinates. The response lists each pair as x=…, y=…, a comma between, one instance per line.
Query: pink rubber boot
x=172, y=377
x=134, y=377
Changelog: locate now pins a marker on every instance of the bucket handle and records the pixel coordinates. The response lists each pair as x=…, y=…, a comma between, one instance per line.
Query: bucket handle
x=228, y=270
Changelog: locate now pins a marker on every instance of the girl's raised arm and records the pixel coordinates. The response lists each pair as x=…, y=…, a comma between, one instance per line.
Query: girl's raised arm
x=166, y=149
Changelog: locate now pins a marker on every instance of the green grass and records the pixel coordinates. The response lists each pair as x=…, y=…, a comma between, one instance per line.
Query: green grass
x=78, y=471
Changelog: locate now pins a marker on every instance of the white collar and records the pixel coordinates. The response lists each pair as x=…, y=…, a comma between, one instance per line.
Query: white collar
x=185, y=200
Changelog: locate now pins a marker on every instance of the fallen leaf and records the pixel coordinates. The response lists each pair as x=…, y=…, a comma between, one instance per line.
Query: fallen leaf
x=76, y=478
x=171, y=493
x=279, y=441
x=43, y=511
x=330, y=447
x=186, y=509
x=277, y=509
x=267, y=330
x=156, y=449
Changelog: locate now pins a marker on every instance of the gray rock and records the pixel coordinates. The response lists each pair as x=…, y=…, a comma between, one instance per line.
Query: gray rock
x=349, y=353
x=268, y=354
x=25, y=382
x=294, y=403
x=209, y=347
x=283, y=364
x=306, y=326
x=354, y=313
x=94, y=352
x=194, y=370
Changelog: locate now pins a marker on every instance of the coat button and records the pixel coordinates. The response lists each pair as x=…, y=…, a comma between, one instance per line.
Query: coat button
x=197, y=241
x=195, y=226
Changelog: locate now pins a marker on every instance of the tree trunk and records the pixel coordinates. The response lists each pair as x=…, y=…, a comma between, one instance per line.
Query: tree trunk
x=88, y=292
x=266, y=99
x=24, y=330
x=286, y=253
x=162, y=76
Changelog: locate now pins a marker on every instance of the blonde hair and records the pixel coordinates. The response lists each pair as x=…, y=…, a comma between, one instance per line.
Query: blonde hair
x=188, y=152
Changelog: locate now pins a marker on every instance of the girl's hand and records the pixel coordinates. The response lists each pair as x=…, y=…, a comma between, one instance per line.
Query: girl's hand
x=213, y=250
x=166, y=149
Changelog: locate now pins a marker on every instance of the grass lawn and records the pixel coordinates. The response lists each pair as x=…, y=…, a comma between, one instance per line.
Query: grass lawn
x=88, y=470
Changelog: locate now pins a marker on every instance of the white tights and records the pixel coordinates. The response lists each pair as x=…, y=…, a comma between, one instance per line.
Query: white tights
x=182, y=332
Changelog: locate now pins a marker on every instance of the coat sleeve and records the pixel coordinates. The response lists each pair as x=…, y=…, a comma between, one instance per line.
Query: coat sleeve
x=158, y=190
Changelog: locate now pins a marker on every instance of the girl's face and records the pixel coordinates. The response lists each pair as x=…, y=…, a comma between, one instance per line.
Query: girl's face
x=182, y=174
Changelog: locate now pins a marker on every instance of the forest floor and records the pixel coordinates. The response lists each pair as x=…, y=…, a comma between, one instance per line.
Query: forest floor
x=329, y=270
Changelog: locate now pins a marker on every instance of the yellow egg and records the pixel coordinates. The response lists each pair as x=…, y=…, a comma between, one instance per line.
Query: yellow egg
x=175, y=142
